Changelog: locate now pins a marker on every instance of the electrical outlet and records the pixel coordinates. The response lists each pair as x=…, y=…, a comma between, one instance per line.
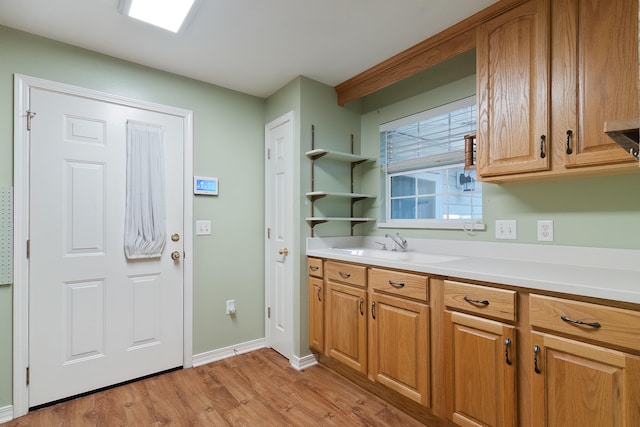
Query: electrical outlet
x=203, y=228
x=231, y=307
x=545, y=230
x=506, y=229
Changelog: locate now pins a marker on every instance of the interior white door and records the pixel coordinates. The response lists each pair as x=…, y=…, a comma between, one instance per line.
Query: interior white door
x=95, y=318
x=279, y=139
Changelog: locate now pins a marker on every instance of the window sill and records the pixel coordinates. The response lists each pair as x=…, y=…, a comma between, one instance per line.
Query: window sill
x=472, y=225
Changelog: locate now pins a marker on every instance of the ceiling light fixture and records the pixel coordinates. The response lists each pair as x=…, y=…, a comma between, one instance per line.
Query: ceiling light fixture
x=167, y=14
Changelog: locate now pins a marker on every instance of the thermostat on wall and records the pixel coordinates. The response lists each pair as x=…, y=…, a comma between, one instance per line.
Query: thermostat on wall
x=205, y=185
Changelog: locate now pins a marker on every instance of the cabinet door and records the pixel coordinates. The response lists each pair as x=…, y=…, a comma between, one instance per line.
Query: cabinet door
x=513, y=91
x=578, y=384
x=482, y=372
x=346, y=312
x=594, y=76
x=316, y=314
x=399, y=350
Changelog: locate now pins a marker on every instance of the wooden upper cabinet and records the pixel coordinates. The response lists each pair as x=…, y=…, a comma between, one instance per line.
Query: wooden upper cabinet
x=594, y=77
x=513, y=91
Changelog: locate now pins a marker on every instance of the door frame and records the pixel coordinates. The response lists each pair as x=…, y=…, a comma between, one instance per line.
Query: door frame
x=21, y=174
x=295, y=218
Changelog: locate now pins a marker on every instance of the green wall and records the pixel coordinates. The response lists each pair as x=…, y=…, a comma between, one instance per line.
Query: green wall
x=228, y=143
x=598, y=211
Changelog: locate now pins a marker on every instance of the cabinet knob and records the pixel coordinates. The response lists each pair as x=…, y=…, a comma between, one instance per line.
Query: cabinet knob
x=284, y=251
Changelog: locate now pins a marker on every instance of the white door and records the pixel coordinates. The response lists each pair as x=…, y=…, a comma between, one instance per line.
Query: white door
x=279, y=257
x=95, y=318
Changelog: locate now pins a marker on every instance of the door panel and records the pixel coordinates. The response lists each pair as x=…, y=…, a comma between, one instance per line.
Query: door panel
x=96, y=318
x=279, y=140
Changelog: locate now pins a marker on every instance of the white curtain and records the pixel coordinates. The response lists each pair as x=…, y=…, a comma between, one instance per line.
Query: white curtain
x=144, y=227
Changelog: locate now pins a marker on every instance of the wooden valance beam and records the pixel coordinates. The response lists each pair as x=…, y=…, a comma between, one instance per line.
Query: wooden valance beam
x=445, y=45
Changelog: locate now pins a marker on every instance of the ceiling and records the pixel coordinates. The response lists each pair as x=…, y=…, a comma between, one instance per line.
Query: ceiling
x=252, y=46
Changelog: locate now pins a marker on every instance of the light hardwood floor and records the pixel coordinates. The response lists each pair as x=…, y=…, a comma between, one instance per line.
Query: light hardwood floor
x=252, y=389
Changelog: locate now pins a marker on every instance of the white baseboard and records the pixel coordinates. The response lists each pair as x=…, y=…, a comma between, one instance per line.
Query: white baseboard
x=297, y=363
x=6, y=414
x=300, y=363
x=225, y=352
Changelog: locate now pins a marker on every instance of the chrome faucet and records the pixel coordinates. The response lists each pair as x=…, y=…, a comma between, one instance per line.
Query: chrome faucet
x=398, y=241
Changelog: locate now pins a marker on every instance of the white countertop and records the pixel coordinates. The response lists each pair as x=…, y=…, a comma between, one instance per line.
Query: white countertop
x=612, y=274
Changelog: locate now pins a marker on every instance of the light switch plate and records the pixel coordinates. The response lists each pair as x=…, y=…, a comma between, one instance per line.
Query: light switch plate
x=203, y=228
x=506, y=229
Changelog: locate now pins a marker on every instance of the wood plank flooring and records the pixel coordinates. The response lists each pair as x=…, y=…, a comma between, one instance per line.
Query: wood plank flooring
x=252, y=389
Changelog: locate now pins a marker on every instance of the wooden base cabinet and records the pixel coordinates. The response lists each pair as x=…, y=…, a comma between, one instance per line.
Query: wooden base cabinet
x=316, y=314
x=315, y=271
x=482, y=382
x=579, y=384
x=346, y=314
x=399, y=346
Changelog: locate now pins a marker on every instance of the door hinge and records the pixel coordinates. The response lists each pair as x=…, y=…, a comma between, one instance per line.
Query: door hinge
x=268, y=232
x=268, y=153
x=28, y=378
x=268, y=312
x=30, y=115
x=28, y=248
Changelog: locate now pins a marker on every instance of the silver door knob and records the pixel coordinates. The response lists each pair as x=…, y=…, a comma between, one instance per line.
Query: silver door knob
x=175, y=255
x=284, y=251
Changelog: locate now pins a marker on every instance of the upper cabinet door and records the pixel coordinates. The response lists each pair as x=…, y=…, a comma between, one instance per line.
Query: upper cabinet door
x=513, y=91
x=594, y=77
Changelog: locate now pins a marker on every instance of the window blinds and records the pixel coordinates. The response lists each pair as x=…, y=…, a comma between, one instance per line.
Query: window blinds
x=437, y=140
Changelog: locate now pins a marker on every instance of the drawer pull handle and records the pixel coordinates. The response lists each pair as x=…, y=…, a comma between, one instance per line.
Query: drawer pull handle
x=507, y=343
x=476, y=301
x=536, y=350
x=361, y=306
x=319, y=290
x=542, y=153
x=344, y=275
x=396, y=285
x=313, y=267
x=373, y=310
x=580, y=322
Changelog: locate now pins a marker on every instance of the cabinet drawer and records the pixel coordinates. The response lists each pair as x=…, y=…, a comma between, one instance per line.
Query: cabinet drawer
x=346, y=273
x=611, y=325
x=314, y=267
x=483, y=300
x=398, y=283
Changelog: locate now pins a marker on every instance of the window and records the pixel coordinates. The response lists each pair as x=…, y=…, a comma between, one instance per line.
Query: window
x=422, y=160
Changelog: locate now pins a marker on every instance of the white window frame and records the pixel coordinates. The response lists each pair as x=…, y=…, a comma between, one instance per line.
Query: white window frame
x=468, y=225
